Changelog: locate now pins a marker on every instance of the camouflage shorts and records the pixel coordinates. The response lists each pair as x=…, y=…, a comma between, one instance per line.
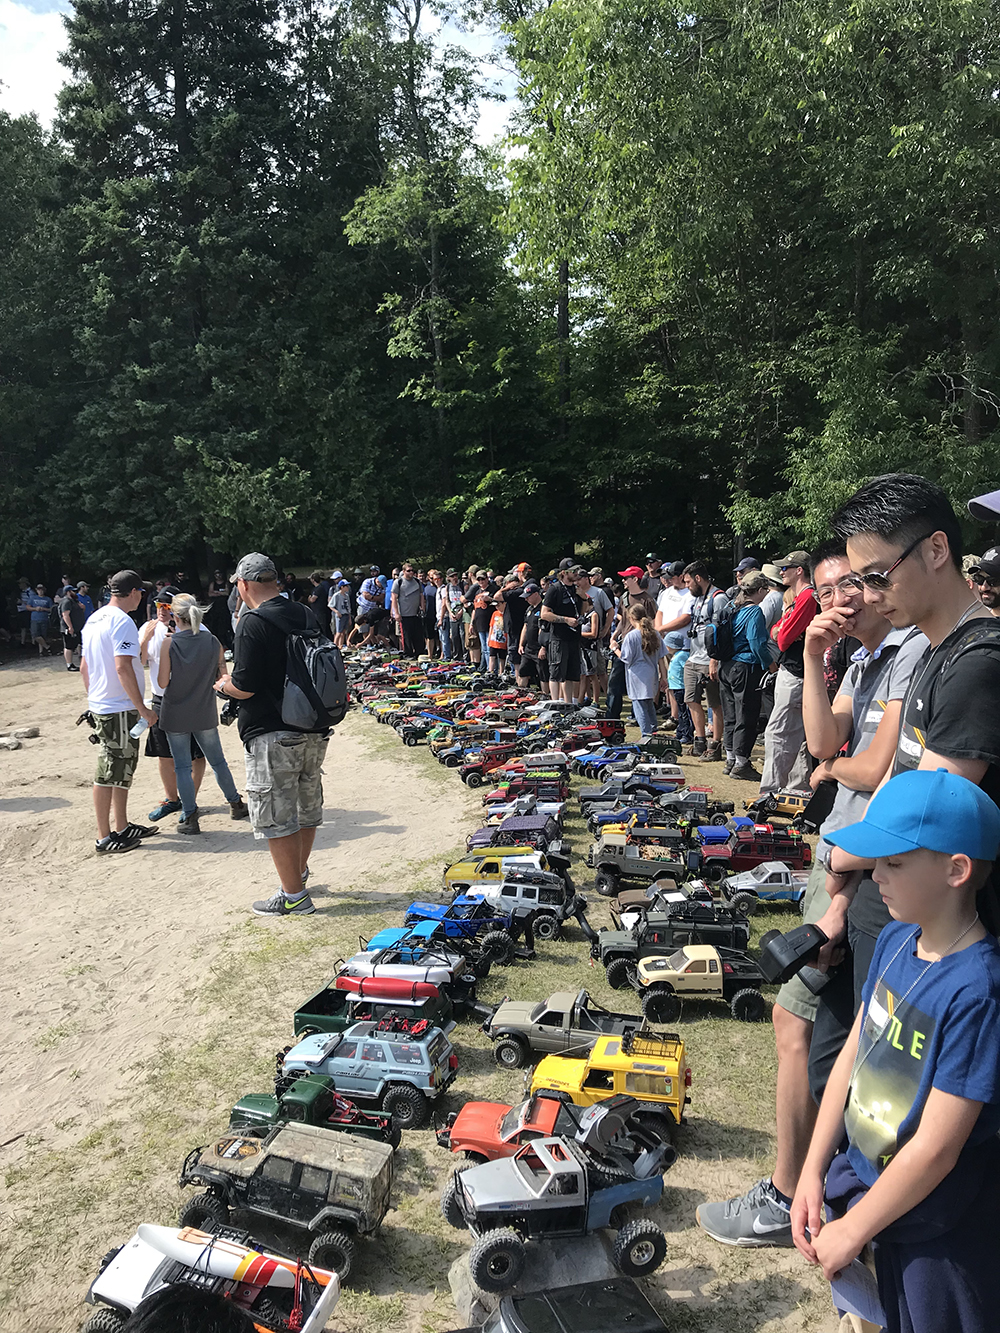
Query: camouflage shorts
x=119, y=752
x=285, y=782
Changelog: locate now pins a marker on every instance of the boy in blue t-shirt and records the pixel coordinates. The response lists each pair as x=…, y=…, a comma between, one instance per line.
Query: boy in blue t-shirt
x=916, y=1088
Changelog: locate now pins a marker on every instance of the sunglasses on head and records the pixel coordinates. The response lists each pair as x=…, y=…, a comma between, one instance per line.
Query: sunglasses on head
x=880, y=582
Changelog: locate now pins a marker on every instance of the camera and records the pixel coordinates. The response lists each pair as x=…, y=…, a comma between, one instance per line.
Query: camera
x=88, y=717
x=230, y=711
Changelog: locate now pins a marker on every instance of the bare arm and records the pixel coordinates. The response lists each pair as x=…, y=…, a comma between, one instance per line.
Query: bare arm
x=126, y=675
x=864, y=772
x=145, y=634
x=163, y=675
x=828, y=726
x=668, y=626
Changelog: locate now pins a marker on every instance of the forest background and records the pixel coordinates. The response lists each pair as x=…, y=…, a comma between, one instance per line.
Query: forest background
x=262, y=288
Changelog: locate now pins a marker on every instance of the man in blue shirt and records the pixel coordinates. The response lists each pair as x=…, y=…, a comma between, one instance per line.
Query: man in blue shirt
x=40, y=606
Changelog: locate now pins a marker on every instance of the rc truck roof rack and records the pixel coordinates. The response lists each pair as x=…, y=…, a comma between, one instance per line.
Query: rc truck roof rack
x=645, y=1042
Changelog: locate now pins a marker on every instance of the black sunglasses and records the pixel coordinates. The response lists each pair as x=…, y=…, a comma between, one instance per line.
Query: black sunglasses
x=984, y=581
x=881, y=582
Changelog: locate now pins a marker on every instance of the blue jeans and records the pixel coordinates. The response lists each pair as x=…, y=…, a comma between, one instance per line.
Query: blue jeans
x=456, y=639
x=211, y=748
x=484, y=648
x=644, y=711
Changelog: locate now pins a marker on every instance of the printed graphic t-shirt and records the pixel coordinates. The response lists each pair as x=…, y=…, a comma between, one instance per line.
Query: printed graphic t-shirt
x=110, y=633
x=944, y=1034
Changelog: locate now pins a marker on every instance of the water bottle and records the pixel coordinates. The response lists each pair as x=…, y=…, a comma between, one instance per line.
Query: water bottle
x=136, y=731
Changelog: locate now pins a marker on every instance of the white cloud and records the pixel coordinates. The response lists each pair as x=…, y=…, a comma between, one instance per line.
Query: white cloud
x=30, y=73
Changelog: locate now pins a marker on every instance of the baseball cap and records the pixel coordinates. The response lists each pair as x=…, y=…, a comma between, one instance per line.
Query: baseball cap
x=677, y=569
x=382, y=581
x=795, y=558
x=748, y=562
x=70, y=587
x=988, y=562
x=597, y=572
x=450, y=572
x=523, y=567
x=126, y=581
x=986, y=507
x=374, y=569
x=568, y=563
x=633, y=572
x=650, y=556
x=255, y=568
x=343, y=583
x=529, y=588
x=932, y=809
x=773, y=575
x=167, y=594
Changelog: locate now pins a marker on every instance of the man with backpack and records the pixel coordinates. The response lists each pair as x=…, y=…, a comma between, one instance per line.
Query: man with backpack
x=786, y=762
x=283, y=760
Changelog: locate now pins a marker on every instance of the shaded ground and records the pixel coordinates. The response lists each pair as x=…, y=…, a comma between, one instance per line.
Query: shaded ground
x=139, y=1000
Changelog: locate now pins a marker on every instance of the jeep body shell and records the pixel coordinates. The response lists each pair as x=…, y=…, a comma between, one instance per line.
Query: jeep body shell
x=567, y=1023
x=494, y=1129
x=364, y=1061
x=535, y=830
x=671, y=923
x=663, y=855
x=656, y=1072
x=530, y=895
x=359, y=1176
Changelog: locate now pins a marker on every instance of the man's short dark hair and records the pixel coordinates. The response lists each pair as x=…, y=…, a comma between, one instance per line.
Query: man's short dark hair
x=698, y=570
x=834, y=549
x=900, y=507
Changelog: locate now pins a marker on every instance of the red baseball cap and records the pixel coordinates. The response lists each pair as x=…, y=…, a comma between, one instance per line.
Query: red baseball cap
x=633, y=572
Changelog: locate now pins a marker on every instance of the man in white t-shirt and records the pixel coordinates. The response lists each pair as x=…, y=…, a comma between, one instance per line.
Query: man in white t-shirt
x=673, y=605
x=113, y=678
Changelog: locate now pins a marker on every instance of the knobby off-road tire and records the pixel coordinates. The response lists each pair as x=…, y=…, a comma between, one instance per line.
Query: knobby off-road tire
x=450, y=1210
x=660, y=1004
x=411, y=740
x=640, y=1247
x=333, y=1250
x=745, y=903
x=547, y=927
x=204, y=1208
x=510, y=1053
x=748, y=1005
x=606, y=883
x=474, y=780
x=496, y=1261
x=498, y=946
x=621, y=973
x=104, y=1320
x=719, y=820
x=406, y=1105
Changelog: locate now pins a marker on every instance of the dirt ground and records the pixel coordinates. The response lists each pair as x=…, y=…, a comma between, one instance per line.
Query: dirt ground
x=140, y=998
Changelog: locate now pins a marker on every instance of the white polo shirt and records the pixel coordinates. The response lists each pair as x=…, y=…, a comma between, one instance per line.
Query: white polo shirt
x=107, y=634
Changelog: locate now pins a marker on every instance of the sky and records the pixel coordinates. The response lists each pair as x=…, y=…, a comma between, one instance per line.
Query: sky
x=32, y=35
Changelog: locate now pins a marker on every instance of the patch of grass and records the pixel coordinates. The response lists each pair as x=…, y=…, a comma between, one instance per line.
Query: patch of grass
x=51, y=1037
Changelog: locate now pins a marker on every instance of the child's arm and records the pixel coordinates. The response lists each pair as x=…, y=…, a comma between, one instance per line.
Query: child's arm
x=807, y=1206
x=919, y=1167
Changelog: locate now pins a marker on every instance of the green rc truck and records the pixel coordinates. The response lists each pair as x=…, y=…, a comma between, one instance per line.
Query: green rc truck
x=309, y=1100
x=334, y=1187
x=641, y=856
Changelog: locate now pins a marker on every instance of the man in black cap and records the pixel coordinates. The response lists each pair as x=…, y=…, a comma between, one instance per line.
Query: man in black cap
x=71, y=617
x=561, y=611
x=113, y=678
x=651, y=581
x=985, y=575
x=284, y=764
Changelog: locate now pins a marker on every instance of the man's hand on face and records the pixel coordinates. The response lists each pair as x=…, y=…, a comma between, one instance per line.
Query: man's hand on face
x=828, y=627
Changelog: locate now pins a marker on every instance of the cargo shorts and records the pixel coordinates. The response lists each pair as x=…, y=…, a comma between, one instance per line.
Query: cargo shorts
x=285, y=782
x=119, y=752
x=793, y=995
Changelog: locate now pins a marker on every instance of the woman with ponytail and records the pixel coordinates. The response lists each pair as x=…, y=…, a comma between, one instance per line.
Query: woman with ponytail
x=645, y=660
x=191, y=660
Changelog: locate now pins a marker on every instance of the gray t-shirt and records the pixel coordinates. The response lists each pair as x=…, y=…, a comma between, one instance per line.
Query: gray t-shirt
x=642, y=678
x=188, y=701
x=703, y=610
x=871, y=684
x=408, y=594
x=773, y=605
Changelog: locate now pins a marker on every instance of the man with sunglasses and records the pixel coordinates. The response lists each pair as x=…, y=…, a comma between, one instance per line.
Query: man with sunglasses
x=786, y=763
x=408, y=606
x=985, y=576
x=905, y=547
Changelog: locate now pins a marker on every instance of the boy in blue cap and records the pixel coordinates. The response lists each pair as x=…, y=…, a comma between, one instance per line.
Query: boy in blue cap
x=916, y=1088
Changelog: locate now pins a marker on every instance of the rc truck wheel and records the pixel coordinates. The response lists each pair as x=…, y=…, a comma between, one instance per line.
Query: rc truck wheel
x=333, y=1250
x=606, y=883
x=411, y=740
x=480, y=967
x=450, y=1210
x=714, y=873
x=658, y=1123
x=621, y=973
x=104, y=1320
x=498, y=946
x=406, y=1105
x=510, y=1053
x=496, y=1261
x=749, y=1006
x=452, y=761
x=204, y=1209
x=718, y=819
x=745, y=903
x=640, y=1247
x=661, y=1005
x=474, y=780
x=547, y=927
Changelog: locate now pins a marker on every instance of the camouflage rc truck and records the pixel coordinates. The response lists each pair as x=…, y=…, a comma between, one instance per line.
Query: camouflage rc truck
x=641, y=856
x=334, y=1187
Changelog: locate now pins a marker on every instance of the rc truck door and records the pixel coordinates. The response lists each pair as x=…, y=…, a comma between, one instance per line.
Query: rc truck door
x=550, y=1033
x=270, y=1188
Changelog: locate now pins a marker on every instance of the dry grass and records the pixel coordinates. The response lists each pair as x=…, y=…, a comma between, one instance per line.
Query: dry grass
x=62, y=1209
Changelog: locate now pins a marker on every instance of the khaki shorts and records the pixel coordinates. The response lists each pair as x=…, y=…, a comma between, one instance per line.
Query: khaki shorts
x=698, y=683
x=119, y=752
x=794, y=996
x=285, y=782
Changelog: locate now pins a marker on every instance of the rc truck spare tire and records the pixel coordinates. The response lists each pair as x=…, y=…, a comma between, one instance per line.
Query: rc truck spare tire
x=406, y=1105
x=546, y=926
x=749, y=1006
x=640, y=1247
x=496, y=1261
x=510, y=1053
x=621, y=972
x=333, y=1250
x=660, y=1004
x=498, y=946
x=202, y=1209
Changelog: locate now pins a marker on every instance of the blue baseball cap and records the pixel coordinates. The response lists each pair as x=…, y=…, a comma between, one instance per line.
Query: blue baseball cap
x=931, y=809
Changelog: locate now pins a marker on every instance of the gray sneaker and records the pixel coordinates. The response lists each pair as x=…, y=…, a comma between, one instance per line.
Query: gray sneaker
x=753, y=1219
x=279, y=905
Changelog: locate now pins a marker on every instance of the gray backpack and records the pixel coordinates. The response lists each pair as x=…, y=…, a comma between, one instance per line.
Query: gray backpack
x=315, y=694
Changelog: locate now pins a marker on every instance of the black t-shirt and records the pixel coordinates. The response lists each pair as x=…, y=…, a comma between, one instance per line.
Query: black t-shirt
x=952, y=708
x=260, y=651
x=514, y=608
x=532, y=624
x=560, y=600
x=70, y=606
x=321, y=606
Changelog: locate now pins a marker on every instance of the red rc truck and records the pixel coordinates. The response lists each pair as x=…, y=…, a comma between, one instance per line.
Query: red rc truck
x=746, y=848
